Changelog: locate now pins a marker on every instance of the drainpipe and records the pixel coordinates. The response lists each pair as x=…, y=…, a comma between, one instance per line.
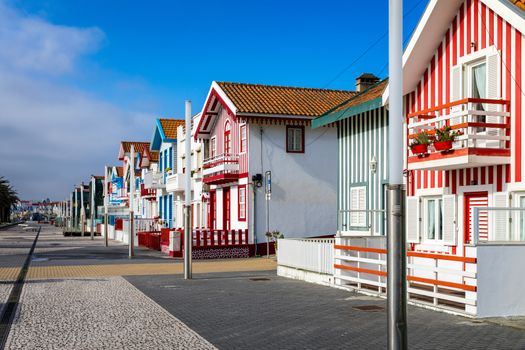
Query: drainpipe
x=252, y=216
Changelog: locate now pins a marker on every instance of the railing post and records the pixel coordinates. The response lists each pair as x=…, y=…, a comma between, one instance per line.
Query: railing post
x=475, y=226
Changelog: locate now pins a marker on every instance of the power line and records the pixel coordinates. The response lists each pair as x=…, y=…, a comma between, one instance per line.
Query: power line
x=368, y=49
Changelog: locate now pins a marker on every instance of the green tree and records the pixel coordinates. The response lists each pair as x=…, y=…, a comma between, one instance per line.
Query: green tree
x=8, y=199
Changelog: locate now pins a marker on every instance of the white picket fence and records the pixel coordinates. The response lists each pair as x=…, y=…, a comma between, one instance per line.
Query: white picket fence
x=308, y=254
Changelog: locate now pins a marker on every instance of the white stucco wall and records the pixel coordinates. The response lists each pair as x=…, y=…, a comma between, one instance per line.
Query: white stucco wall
x=500, y=280
x=304, y=185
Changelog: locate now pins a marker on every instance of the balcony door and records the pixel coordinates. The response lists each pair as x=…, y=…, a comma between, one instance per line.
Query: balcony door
x=212, y=211
x=226, y=209
x=471, y=200
x=227, y=138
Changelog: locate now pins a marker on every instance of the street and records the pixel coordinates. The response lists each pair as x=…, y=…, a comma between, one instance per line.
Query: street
x=78, y=294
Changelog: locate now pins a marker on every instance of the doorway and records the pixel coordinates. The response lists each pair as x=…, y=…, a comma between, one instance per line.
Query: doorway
x=471, y=200
x=226, y=209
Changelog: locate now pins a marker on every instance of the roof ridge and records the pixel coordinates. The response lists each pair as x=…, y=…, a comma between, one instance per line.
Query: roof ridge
x=356, y=96
x=285, y=86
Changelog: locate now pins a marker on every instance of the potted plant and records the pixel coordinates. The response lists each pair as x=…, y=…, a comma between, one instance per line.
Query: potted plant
x=168, y=169
x=272, y=237
x=445, y=137
x=420, y=143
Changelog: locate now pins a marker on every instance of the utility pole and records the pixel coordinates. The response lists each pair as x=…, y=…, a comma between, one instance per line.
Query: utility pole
x=70, y=221
x=106, y=200
x=92, y=206
x=396, y=257
x=131, y=200
x=188, y=234
x=75, y=221
x=82, y=210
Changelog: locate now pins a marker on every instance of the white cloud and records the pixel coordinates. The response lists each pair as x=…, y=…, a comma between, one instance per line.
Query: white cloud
x=32, y=44
x=53, y=135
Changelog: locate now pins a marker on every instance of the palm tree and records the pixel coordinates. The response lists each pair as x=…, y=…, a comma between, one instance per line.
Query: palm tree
x=8, y=198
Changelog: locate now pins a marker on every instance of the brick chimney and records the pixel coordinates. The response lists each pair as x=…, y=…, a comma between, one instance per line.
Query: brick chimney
x=364, y=81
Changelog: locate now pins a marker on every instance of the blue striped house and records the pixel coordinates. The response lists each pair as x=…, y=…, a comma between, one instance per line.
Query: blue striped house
x=362, y=124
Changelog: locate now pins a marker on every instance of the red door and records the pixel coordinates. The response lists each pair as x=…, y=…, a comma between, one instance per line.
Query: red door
x=475, y=199
x=226, y=209
x=211, y=207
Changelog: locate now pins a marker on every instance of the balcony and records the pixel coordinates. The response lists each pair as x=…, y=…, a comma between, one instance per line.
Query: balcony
x=175, y=182
x=221, y=169
x=154, y=180
x=484, y=140
x=148, y=193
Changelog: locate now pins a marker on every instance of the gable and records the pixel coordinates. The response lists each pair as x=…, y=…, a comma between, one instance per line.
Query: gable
x=437, y=21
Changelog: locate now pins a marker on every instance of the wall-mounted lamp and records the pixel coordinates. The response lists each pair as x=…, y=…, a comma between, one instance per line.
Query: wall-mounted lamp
x=373, y=165
x=473, y=45
x=257, y=180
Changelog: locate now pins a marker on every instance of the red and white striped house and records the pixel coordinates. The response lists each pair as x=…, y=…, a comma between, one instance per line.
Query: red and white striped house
x=248, y=130
x=463, y=74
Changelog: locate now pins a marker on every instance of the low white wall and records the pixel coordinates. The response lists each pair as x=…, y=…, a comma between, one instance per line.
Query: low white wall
x=307, y=276
x=501, y=282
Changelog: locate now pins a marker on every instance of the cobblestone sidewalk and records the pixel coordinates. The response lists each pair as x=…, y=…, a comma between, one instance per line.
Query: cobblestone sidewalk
x=95, y=313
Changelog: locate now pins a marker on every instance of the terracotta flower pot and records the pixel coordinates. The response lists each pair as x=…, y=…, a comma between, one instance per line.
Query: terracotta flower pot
x=443, y=145
x=419, y=149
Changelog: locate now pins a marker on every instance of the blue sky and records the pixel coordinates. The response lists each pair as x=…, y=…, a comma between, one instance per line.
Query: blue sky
x=123, y=63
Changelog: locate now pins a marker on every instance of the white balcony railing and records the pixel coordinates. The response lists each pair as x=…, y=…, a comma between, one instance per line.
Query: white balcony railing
x=501, y=225
x=175, y=182
x=221, y=164
x=154, y=180
x=484, y=127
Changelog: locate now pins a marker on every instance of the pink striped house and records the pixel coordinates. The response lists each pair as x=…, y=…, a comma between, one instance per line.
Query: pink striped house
x=248, y=130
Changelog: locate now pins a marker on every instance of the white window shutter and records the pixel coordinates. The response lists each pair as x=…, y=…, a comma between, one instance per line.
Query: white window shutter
x=493, y=75
x=457, y=83
x=500, y=219
x=362, y=206
x=354, y=197
x=449, y=220
x=413, y=221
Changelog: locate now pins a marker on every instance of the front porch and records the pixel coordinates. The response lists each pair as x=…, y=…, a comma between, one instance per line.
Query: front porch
x=483, y=281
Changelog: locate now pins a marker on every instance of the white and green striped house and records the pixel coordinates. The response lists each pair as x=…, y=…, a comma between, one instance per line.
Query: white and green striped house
x=362, y=124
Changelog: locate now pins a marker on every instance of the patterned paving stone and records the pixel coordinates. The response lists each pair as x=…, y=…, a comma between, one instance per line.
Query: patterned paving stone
x=95, y=313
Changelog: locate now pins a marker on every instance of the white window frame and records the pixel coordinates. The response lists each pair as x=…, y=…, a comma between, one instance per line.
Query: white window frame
x=244, y=138
x=516, y=199
x=213, y=147
x=361, y=217
x=438, y=228
x=242, y=203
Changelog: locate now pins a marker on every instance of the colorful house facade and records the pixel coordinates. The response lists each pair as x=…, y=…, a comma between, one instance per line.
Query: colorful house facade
x=249, y=131
x=164, y=141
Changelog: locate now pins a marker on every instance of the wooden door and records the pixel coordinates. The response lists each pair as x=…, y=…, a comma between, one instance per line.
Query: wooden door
x=226, y=209
x=471, y=200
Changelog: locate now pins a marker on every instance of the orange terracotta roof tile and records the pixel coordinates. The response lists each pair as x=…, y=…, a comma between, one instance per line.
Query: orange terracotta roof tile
x=369, y=94
x=139, y=146
x=120, y=171
x=169, y=126
x=519, y=3
x=154, y=156
x=283, y=100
